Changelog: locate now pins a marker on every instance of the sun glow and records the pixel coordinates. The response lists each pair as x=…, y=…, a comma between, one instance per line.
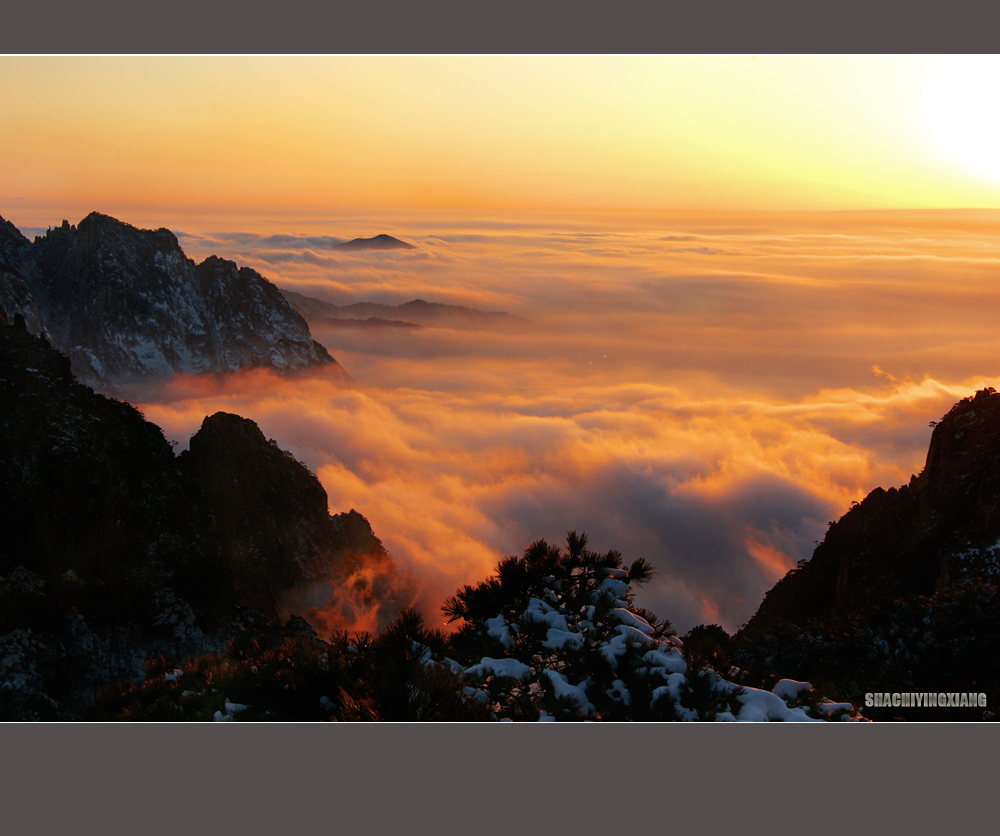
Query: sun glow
x=294, y=136
x=962, y=111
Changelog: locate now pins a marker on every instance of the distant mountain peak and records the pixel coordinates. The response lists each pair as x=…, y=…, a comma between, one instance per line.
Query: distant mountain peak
x=378, y=242
x=416, y=312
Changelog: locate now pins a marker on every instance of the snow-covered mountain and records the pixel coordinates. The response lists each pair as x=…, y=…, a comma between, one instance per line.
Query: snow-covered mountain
x=126, y=305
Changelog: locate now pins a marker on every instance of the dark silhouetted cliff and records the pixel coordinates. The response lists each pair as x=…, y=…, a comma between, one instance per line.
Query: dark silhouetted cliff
x=901, y=595
x=113, y=550
x=270, y=514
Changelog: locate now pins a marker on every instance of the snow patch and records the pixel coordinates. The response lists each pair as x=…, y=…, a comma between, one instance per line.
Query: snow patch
x=509, y=668
x=497, y=628
x=789, y=689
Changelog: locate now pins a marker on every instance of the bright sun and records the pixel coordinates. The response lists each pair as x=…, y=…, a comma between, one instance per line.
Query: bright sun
x=963, y=111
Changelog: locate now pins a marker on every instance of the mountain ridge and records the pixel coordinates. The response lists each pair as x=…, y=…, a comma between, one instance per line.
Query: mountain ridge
x=126, y=305
x=903, y=593
x=417, y=312
x=906, y=539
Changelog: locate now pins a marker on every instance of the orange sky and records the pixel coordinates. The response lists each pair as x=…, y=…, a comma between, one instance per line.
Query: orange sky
x=293, y=135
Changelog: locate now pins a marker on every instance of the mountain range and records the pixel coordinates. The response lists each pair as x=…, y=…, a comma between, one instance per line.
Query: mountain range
x=117, y=554
x=416, y=312
x=126, y=305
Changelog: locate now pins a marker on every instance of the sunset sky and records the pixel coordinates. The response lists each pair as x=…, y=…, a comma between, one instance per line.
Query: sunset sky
x=284, y=134
x=750, y=282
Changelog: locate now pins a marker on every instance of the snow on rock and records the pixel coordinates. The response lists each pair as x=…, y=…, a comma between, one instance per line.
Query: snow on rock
x=234, y=707
x=762, y=706
x=476, y=694
x=829, y=707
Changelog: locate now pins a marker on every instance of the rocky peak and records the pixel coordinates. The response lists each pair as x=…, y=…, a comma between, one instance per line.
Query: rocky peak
x=115, y=551
x=15, y=295
x=965, y=444
x=126, y=305
x=902, y=594
x=271, y=514
x=92, y=487
x=11, y=244
x=920, y=538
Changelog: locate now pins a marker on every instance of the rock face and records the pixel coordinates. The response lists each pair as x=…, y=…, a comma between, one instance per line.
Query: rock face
x=126, y=305
x=270, y=514
x=920, y=538
x=902, y=594
x=114, y=550
x=93, y=488
x=15, y=295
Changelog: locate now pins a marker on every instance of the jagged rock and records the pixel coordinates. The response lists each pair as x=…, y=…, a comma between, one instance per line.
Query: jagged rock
x=271, y=514
x=126, y=305
x=91, y=486
x=907, y=539
x=902, y=594
x=112, y=553
x=15, y=295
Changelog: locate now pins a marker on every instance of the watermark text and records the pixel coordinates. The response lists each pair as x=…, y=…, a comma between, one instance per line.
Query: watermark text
x=925, y=700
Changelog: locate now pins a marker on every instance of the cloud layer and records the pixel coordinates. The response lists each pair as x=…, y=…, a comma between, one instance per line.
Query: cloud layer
x=704, y=391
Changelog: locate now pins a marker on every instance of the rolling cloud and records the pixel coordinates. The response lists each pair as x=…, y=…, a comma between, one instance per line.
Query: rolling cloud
x=709, y=408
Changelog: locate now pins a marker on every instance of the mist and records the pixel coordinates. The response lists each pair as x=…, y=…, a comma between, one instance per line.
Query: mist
x=705, y=391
